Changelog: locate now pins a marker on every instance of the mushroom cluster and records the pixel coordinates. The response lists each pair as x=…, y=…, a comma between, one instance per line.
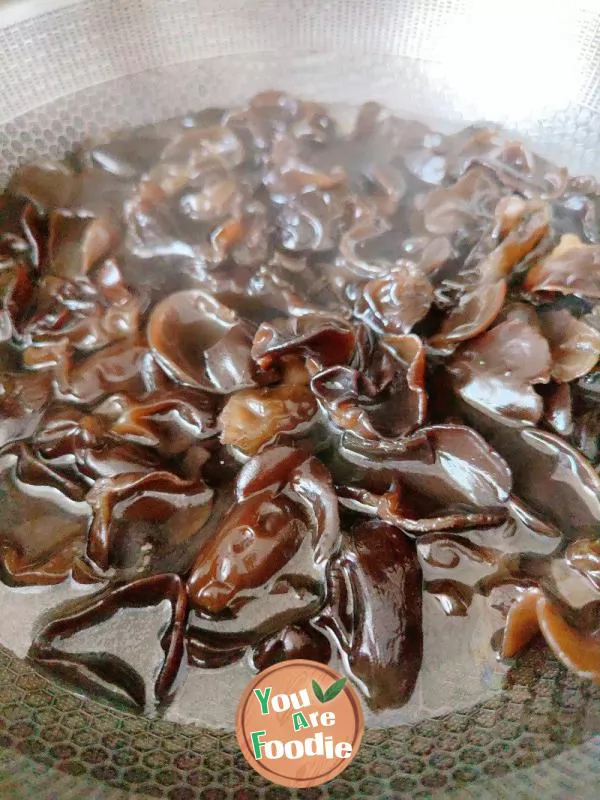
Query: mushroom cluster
x=281, y=378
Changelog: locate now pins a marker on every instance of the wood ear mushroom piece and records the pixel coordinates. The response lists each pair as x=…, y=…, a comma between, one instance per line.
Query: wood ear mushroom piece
x=533, y=613
x=142, y=593
x=316, y=390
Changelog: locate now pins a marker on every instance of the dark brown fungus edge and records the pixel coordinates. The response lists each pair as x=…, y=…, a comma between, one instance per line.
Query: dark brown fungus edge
x=138, y=594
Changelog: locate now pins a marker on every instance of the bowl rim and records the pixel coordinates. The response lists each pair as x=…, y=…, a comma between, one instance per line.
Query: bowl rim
x=14, y=12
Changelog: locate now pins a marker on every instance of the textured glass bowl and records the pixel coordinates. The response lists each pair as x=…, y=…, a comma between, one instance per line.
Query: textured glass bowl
x=69, y=69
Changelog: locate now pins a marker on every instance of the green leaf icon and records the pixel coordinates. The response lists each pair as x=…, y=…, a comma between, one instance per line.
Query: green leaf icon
x=318, y=692
x=334, y=689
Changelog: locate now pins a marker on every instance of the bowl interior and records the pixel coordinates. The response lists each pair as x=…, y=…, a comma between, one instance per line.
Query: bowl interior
x=87, y=68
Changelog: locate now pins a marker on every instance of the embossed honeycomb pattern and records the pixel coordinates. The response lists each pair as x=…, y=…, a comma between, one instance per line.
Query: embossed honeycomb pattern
x=543, y=712
x=570, y=136
x=146, y=60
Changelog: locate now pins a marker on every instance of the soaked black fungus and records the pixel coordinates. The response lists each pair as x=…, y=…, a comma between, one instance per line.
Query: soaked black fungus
x=289, y=380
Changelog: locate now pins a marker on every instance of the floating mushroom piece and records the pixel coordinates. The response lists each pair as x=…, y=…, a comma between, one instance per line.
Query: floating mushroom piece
x=271, y=113
x=394, y=304
x=496, y=371
x=521, y=623
x=574, y=345
x=52, y=186
x=255, y=418
x=81, y=447
x=454, y=597
x=374, y=592
x=17, y=569
x=517, y=234
x=126, y=366
x=127, y=157
x=42, y=527
x=195, y=146
x=91, y=667
x=386, y=399
x=521, y=170
x=558, y=408
x=76, y=244
x=367, y=225
x=210, y=651
x=446, y=551
x=533, y=612
x=22, y=399
x=584, y=556
x=47, y=185
x=474, y=314
x=417, y=513
x=32, y=468
x=144, y=519
x=294, y=641
x=448, y=463
x=18, y=292
x=570, y=270
x=202, y=343
x=74, y=315
x=285, y=504
x=578, y=651
x=169, y=419
x=309, y=203
x=468, y=203
x=553, y=478
x=328, y=339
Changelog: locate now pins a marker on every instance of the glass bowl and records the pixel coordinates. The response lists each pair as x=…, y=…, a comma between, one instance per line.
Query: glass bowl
x=70, y=69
